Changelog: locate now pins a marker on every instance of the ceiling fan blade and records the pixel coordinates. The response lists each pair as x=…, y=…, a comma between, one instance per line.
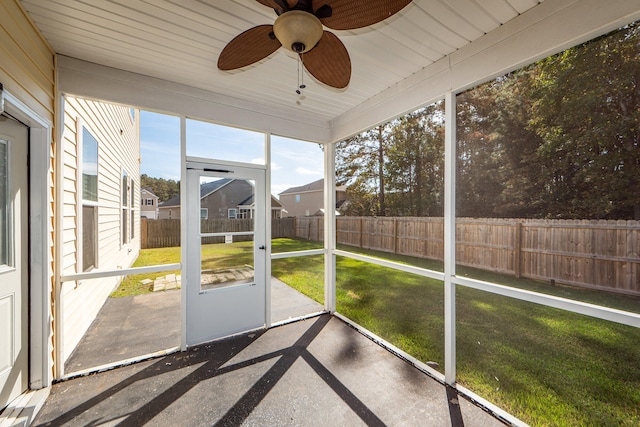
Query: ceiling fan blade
x=279, y=4
x=352, y=14
x=248, y=47
x=329, y=61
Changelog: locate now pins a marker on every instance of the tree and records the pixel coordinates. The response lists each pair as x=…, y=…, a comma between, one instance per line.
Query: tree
x=521, y=188
x=415, y=169
x=557, y=139
x=360, y=165
x=165, y=189
x=479, y=152
x=587, y=110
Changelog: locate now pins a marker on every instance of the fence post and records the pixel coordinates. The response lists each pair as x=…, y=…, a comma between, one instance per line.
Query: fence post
x=360, y=245
x=395, y=235
x=517, y=250
x=143, y=232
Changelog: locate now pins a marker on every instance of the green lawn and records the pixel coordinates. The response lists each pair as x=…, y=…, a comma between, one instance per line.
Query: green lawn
x=545, y=366
x=214, y=257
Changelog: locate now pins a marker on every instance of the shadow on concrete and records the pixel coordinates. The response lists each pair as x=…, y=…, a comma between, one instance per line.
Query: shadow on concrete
x=289, y=375
x=140, y=325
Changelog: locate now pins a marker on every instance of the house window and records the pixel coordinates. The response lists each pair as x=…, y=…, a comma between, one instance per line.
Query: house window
x=297, y=198
x=132, y=217
x=124, y=225
x=4, y=202
x=232, y=213
x=149, y=202
x=89, y=173
x=204, y=213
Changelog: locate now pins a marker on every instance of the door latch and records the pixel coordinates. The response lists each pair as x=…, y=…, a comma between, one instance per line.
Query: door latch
x=262, y=248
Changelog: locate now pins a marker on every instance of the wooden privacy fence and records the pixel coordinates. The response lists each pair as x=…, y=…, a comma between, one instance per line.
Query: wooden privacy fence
x=165, y=233
x=593, y=254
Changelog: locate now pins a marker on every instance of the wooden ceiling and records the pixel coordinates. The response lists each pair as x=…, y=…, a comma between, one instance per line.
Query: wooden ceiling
x=179, y=41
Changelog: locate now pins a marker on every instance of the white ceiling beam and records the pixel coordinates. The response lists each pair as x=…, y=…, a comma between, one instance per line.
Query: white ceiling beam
x=89, y=80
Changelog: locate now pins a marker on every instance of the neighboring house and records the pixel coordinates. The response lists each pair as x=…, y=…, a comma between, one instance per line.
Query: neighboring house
x=224, y=198
x=100, y=205
x=148, y=204
x=247, y=207
x=308, y=199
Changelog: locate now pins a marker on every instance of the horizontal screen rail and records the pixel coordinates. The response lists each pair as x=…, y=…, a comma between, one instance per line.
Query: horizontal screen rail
x=391, y=264
x=96, y=274
x=310, y=252
x=579, y=307
x=231, y=233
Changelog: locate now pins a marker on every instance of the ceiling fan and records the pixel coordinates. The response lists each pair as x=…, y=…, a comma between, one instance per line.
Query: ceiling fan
x=299, y=28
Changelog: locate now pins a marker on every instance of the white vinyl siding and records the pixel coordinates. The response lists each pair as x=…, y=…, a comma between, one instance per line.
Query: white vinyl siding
x=118, y=150
x=27, y=71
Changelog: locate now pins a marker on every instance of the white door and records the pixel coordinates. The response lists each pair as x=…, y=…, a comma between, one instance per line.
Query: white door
x=14, y=285
x=225, y=251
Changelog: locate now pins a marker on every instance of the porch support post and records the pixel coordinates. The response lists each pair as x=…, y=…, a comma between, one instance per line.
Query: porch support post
x=183, y=231
x=450, y=239
x=329, y=228
x=58, y=303
x=267, y=252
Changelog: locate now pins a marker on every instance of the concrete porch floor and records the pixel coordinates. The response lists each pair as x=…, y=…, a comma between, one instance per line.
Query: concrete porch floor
x=130, y=327
x=314, y=372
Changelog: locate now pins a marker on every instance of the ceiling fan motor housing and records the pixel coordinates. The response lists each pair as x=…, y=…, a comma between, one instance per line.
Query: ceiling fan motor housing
x=298, y=31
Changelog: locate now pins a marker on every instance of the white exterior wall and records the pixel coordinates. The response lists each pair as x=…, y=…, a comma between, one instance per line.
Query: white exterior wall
x=309, y=203
x=27, y=71
x=118, y=149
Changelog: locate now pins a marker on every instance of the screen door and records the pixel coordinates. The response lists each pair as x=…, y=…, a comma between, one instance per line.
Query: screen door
x=225, y=251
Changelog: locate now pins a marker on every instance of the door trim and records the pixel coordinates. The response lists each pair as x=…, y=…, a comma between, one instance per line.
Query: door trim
x=40, y=260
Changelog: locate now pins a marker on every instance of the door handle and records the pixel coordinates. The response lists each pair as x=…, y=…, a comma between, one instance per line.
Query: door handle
x=262, y=248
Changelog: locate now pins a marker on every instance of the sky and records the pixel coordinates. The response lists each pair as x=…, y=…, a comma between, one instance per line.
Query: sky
x=293, y=162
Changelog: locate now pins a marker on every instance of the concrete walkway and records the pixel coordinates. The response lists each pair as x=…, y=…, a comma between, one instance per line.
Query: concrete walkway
x=129, y=327
x=316, y=372
x=134, y=326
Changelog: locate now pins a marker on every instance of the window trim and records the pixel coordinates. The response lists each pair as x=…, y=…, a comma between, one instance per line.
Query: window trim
x=9, y=228
x=125, y=237
x=81, y=202
x=132, y=209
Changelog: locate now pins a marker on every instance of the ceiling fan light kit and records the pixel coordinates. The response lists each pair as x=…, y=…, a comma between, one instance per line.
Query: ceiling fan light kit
x=300, y=29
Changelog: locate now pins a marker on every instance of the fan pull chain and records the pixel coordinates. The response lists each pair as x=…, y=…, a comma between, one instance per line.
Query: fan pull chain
x=301, y=84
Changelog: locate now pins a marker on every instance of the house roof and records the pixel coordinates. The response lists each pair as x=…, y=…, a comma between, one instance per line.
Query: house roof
x=148, y=191
x=211, y=187
x=312, y=186
x=275, y=203
x=143, y=53
x=205, y=190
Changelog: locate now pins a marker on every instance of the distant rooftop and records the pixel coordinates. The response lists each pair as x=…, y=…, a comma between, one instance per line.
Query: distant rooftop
x=312, y=186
